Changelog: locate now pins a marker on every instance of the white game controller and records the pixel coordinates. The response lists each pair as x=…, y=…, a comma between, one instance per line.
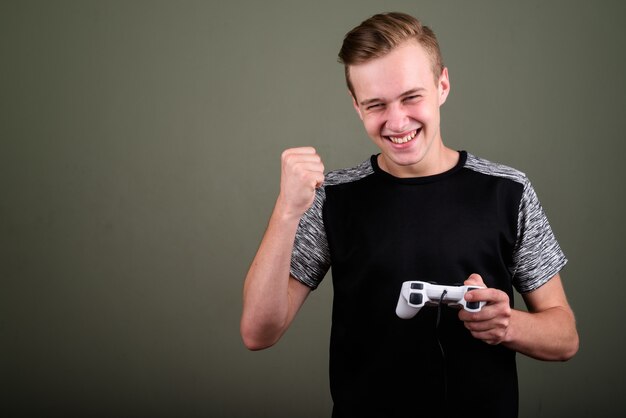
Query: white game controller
x=415, y=294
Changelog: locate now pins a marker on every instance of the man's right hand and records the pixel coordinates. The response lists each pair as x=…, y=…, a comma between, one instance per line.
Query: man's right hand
x=302, y=171
x=271, y=296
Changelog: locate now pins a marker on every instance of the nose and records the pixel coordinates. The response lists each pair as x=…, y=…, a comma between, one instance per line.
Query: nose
x=397, y=119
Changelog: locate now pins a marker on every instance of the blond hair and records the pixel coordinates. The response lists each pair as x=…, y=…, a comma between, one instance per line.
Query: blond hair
x=380, y=34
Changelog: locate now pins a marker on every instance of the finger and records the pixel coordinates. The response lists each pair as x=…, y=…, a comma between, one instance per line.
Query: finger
x=490, y=312
x=292, y=160
x=487, y=337
x=309, y=164
x=488, y=330
x=314, y=177
x=493, y=335
x=319, y=180
x=488, y=295
x=474, y=279
x=299, y=150
x=303, y=157
x=295, y=155
x=483, y=316
x=484, y=325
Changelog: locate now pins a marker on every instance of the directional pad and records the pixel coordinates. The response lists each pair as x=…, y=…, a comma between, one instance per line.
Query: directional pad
x=416, y=298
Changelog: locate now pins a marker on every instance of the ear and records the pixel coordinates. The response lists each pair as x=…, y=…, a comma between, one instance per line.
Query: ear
x=443, y=85
x=355, y=105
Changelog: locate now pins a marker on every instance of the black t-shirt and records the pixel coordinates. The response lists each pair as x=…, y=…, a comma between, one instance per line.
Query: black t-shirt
x=377, y=231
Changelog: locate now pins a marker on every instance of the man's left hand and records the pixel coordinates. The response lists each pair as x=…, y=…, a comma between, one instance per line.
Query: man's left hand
x=492, y=322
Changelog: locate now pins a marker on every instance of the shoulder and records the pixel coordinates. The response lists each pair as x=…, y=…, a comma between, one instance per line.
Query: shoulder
x=349, y=175
x=332, y=179
x=490, y=168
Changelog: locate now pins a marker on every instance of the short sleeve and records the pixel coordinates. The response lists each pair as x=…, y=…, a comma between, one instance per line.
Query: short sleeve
x=310, y=259
x=537, y=255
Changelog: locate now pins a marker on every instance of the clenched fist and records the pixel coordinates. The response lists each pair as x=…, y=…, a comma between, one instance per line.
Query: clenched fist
x=302, y=172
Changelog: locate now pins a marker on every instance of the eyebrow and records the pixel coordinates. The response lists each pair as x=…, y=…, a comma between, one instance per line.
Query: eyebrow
x=406, y=93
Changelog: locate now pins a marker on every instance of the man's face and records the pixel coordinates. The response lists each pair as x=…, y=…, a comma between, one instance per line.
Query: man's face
x=398, y=100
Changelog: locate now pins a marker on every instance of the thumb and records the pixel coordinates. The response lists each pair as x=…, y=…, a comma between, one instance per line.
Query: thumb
x=319, y=182
x=475, y=280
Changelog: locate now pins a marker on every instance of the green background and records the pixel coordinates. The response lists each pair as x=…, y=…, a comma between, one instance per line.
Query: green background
x=139, y=163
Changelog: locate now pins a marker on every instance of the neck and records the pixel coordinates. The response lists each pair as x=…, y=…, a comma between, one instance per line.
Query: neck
x=438, y=160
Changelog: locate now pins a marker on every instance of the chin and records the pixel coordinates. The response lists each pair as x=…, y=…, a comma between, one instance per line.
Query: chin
x=406, y=157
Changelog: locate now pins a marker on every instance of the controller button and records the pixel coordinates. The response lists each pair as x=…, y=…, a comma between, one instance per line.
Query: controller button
x=415, y=299
x=472, y=305
x=418, y=286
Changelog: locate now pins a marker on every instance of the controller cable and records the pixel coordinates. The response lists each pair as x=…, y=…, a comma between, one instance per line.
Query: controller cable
x=443, y=353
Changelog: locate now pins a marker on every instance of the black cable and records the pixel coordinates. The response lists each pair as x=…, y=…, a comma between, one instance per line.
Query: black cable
x=443, y=353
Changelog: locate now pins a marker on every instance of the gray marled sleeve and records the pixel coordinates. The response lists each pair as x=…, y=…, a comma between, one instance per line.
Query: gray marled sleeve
x=310, y=259
x=537, y=256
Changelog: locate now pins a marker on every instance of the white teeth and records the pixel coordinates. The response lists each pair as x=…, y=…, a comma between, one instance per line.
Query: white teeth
x=404, y=139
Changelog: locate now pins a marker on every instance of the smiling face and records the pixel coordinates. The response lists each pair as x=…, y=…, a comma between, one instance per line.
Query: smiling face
x=398, y=100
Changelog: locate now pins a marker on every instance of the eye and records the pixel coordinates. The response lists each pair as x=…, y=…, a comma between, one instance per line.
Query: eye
x=412, y=98
x=374, y=106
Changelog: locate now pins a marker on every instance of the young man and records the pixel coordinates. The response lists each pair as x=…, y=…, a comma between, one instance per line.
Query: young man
x=416, y=211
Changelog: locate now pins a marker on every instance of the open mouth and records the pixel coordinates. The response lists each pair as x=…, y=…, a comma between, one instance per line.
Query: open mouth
x=404, y=139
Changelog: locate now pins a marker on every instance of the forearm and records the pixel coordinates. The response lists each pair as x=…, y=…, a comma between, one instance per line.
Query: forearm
x=271, y=298
x=546, y=335
x=266, y=302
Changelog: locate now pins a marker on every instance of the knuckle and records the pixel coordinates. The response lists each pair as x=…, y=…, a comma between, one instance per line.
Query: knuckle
x=287, y=160
x=286, y=153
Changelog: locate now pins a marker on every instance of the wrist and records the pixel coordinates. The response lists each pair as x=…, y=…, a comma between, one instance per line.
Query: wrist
x=284, y=212
x=510, y=335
